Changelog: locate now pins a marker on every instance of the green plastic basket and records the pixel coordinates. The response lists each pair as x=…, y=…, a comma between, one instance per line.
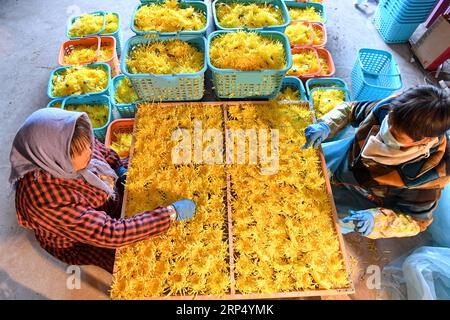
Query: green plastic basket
x=197, y=5
x=276, y=3
x=100, y=133
x=125, y=110
x=115, y=34
x=61, y=69
x=264, y=84
x=174, y=87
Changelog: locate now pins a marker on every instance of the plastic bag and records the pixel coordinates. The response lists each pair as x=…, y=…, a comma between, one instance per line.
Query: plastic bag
x=423, y=275
x=440, y=228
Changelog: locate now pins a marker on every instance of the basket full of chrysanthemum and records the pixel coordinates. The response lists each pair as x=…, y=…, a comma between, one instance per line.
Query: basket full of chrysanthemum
x=292, y=89
x=304, y=33
x=90, y=50
x=123, y=96
x=92, y=79
x=252, y=15
x=166, y=68
x=248, y=64
x=311, y=62
x=98, y=23
x=119, y=136
x=307, y=11
x=170, y=17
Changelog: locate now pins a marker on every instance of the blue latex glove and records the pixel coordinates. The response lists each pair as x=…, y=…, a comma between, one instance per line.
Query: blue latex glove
x=315, y=134
x=185, y=209
x=363, y=220
x=122, y=174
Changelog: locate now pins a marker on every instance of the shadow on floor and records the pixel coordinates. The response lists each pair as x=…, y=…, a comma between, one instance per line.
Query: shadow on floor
x=12, y=290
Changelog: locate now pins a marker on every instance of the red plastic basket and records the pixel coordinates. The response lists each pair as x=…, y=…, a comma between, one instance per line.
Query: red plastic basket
x=67, y=47
x=118, y=126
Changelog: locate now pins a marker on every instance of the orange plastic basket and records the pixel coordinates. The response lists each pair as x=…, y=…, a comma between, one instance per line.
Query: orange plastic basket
x=319, y=26
x=297, y=50
x=68, y=46
x=311, y=36
x=320, y=52
x=324, y=53
x=118, y=126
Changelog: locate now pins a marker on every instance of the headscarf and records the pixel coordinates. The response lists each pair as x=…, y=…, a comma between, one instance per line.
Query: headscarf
x=43, y=142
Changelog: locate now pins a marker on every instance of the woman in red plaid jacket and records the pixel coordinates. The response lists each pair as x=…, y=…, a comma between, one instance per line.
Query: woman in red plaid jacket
x=68, y=191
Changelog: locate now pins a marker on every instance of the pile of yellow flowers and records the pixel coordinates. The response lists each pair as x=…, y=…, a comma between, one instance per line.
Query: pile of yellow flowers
x=79, y=80
x=124, y=92
x=304, y=63
x=324, y=100
x=306, y=14
x=92, y=24
x=287, y=93
x=168, y=17
x=82, y=54
x=165, y=57
x=251, y=15
x=324, y=68
x=97, y=113
x=122, y=143
x=191, y=258
x=284, y=234
x=300, y=33
x=246, y=51
x=318, y=35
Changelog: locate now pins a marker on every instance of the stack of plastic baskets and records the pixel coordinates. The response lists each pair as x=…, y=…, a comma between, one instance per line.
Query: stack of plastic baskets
x=375, y=75
x=196, y=5
x=279, y=4
x=261, y=84
x=166, y=87
x=115, y=34
x=396, y=20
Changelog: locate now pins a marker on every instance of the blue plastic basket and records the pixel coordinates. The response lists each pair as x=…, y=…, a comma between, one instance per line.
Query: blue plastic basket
x=115, y=34
x=390, y=29
x=334, y=83
x=318, y=6
x=265, y=84
x=197, y=5
x=125, y=110
x=174, y=87
x=346, y=94
x=61, y=69
x=295, y=84
x=276, y=3
x=375, y=75
x=52, y=103
x=100, y=133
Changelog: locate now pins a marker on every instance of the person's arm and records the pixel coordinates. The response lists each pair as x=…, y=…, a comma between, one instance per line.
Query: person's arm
x=338, y=118
x=96, y=228
x=379, y=223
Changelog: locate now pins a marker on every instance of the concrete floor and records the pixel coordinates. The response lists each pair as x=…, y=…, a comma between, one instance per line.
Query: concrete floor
x=31, y=32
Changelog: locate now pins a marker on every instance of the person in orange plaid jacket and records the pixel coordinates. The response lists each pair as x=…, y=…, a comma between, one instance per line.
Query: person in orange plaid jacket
x=69, y=191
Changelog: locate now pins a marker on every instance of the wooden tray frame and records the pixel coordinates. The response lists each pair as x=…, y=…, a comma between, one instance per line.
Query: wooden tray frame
x=232, y=295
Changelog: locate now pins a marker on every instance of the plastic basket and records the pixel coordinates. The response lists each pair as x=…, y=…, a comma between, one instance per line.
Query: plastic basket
x=174, y=87
x=375, y=75
x=346, y=95
x=125, y=110
x=197, y=5
x=115, y=34
x=266, y=84
x=61, y=69
x=320, y=52
x=276, y=3
x=324, y=53
x=118, y=126
x=52, y=103
x=311, y=34
x=325, y=83
x=295, y=84
x=390, y=29
x=100, y=133
x=321, y=26
x=68, y=46
x=318, y=6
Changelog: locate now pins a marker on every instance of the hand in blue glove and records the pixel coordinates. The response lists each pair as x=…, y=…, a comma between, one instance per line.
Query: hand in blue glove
x=315, y=134
x=363, y=220
x=122, y=174
x=185, y=209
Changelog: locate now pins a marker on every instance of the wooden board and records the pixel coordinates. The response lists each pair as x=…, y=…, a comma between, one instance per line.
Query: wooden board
x=232, y=294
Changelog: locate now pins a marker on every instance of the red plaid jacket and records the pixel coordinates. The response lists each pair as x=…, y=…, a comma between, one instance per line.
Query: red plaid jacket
x=76, y=222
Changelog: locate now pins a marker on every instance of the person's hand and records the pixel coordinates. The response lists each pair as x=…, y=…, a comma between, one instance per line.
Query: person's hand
x=185, y=209
x=122, y=174
x=315, y=134
x=363, y=220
